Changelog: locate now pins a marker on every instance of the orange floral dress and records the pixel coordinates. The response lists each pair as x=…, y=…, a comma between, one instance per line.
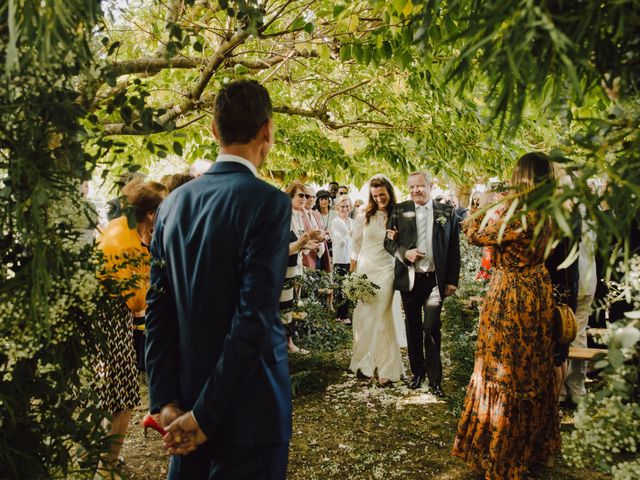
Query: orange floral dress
x=510, y=416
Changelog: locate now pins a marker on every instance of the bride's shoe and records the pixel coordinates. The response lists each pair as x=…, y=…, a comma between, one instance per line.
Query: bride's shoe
x=385, y=382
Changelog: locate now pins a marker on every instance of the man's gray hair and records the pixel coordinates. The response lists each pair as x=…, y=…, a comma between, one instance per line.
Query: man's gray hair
x=426, y=175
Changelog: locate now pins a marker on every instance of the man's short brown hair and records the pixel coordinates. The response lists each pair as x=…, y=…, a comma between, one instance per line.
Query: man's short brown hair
x=240, y=110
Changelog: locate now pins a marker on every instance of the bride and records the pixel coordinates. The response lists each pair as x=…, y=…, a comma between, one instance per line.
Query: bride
x=375, y=343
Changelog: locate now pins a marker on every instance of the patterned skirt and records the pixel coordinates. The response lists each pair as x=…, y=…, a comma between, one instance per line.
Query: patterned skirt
x=115, y=366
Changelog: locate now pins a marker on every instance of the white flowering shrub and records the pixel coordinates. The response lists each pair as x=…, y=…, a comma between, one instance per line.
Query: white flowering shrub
x=49, y=416
x=607, y=422
x=626, y=470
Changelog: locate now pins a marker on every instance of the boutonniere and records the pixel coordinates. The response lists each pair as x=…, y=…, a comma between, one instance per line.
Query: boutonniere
x=442, y=220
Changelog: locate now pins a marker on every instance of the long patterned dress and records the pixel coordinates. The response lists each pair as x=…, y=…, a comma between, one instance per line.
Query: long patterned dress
x=287, y=296
x=510, y=417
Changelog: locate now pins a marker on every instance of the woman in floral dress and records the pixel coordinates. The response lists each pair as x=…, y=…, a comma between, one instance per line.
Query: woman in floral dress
x=510, y=416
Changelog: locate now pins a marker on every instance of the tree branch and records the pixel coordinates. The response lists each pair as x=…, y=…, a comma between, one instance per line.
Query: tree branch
x=323, y=115
x=275, y=16
x=154, y=64
x=192, y=98
x=345, y=90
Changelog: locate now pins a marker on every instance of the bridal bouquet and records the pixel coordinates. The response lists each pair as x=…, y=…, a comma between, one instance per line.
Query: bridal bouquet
x=358, y=288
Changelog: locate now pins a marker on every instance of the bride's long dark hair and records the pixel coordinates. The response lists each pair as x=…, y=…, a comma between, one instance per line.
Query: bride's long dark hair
x=372, y=207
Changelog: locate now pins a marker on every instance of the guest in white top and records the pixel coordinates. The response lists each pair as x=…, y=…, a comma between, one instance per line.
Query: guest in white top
x=577, y=370
x=323, y=206
x=341, y=228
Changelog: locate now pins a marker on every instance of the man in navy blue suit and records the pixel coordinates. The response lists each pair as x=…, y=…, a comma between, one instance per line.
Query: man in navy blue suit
x=216, y=350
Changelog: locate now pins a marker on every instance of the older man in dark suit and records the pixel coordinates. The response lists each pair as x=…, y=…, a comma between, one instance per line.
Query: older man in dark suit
x=216, y=349
x=423, y=236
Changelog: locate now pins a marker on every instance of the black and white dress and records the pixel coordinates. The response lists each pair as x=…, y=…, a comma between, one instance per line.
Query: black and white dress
x=115, y=364
x=287, y=297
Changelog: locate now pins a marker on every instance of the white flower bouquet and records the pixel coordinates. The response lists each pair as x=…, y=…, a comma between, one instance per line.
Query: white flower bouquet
x=358, y=288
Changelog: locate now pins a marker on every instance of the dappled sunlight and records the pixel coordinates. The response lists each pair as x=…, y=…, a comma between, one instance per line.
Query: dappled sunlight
x=419, y=399
x=373, y=395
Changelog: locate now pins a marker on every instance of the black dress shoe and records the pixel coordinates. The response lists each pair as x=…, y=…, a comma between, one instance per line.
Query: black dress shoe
x=437, y=391
x=416, y=382
x=567, y=404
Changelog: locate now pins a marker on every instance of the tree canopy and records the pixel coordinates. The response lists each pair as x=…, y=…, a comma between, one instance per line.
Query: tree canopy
x=353, y=96
x=359, y=87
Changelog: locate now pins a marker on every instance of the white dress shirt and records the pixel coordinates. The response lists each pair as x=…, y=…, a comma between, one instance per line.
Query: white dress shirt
x=424, y=224
x=227, y=157
x=341, y=236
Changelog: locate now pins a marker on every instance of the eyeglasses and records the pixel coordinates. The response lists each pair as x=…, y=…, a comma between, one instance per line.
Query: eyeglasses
x=300, y=195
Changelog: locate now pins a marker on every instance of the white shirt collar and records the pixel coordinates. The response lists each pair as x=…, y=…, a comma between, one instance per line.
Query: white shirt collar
x=227, y=157
x=429, y=204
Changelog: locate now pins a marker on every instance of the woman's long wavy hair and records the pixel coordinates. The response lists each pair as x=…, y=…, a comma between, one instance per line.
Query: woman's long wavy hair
x=532, y=175
x=531, y=171
x=372, y=207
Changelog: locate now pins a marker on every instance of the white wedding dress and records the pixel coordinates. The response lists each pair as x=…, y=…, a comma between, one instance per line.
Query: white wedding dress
x=375, y=342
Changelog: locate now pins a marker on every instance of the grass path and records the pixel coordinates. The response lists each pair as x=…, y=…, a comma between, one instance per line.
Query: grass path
x=347, y=429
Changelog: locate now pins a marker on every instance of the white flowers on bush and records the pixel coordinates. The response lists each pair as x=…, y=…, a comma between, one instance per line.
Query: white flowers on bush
x=607, y=422
x=604, y=427
x=627, y=336
x=626, y=470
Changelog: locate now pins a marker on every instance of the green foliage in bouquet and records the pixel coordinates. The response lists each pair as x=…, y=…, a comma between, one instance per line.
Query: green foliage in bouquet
x=607, y=422
x=358, y=288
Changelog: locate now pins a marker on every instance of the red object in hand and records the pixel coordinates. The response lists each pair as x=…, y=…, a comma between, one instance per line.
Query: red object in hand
x=149, y=422
x=485, y=266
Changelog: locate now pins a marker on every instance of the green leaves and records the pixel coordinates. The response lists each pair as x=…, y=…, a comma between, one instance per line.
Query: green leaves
x=345, y=52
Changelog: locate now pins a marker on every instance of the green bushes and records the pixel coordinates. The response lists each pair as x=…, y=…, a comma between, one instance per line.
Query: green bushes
x=49, y=420
x=607, y=422
x=460, y=325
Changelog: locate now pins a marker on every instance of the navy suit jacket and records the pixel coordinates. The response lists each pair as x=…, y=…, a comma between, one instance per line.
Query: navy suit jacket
x=445, y=243
x=215, y=342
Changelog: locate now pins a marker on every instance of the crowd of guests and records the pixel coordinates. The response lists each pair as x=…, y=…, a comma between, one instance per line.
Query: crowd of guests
x=216, y=303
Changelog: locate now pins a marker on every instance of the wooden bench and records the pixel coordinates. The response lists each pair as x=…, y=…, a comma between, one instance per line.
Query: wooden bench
x=579, y=353
x=596, y=331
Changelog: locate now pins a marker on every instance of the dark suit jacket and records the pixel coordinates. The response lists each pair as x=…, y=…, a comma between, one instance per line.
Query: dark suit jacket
x=215, y=342
x=445, y=243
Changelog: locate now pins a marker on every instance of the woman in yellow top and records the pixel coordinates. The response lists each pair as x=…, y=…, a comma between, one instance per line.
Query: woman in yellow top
x=126, y=271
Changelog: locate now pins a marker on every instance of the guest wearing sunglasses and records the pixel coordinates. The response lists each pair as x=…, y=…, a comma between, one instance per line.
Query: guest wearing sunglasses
x=303, y=242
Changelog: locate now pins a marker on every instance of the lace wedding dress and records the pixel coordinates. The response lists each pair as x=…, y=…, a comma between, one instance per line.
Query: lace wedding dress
x=375, y=343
